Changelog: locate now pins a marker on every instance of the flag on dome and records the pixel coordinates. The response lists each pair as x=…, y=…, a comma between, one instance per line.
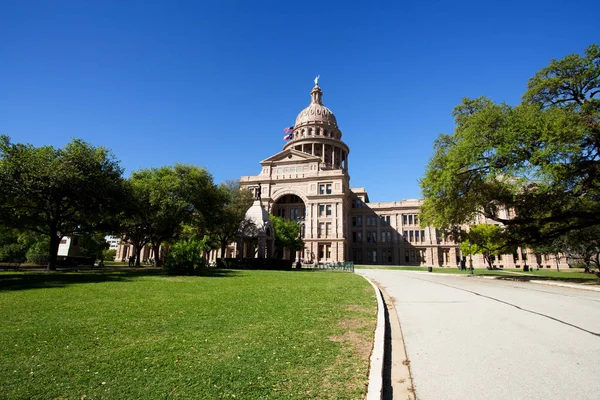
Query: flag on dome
x=288, y=136
x=288, y=130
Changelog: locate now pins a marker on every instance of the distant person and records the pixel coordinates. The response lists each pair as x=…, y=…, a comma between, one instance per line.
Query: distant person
x=131, y=261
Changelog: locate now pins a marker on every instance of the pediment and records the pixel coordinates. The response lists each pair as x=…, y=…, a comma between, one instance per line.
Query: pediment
x=290, y=156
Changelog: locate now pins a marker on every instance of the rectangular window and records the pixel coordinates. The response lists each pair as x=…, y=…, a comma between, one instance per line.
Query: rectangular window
x=353, y=221
x=389, y=236
x=328, y=229
x=387, y=220
x=374, y=256
x=416, y=220
x=322, y=188
x=357, y=255
x=293, y=169
x=358, y=221
x=328, y=188
x=410, y=219
x=279, y=170
x=320, y=229
x=321, y=210
x=286, y=170
x=358, y=203
x=358, y=237
x=405, y=234
x=374, y=236
x=354, y=237
x=404, y=220
x=328, y=209
x=382, y=219
x=382, y=237
x=411, y=236
x=422, y=236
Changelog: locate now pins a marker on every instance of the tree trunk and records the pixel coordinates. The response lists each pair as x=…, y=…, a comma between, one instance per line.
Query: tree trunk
x=54, y=243
x=138, y=254
x=223, y=248
x=156, y=249
x=489, y=260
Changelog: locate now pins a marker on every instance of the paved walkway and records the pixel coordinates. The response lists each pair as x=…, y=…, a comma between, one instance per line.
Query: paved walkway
x=471, y=338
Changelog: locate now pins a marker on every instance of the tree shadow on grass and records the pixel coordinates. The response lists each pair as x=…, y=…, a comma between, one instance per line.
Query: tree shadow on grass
x=40, y=279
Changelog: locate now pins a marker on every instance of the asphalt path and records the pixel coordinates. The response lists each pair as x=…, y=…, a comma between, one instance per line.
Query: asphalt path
x=475, y=338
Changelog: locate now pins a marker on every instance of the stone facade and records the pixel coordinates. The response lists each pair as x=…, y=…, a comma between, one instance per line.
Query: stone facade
x=309, y=181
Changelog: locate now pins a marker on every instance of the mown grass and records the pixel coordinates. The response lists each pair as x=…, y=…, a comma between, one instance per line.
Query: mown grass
x=573, y=276
x=143, y=335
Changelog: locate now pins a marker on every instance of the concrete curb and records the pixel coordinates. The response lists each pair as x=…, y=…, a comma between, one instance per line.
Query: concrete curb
x=375, y=389
x=547, y=283
x=567, y=285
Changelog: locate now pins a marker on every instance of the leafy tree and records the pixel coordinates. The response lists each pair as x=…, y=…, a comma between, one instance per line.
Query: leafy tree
x=92, y=245
x=485, y=239
x=287, y=234
x=534, y=167
x=136, y=216
x=169, y=197
x=58, y=192
x=582, y=246
x=14, y=244
x=231, y=213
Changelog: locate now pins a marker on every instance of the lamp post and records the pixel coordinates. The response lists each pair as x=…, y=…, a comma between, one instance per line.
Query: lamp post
x=300, y=221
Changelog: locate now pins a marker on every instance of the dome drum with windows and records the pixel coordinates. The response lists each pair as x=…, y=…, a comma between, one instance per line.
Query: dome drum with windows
x=316, y=132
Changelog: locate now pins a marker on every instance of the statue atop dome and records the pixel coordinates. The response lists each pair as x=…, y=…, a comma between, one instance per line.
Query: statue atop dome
x=317, y=80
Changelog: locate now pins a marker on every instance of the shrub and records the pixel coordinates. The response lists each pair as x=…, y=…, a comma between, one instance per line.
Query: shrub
x=109, y=254
x=38, y=252
x=185, y=257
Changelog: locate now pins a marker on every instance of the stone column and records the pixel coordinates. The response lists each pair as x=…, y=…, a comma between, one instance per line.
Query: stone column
x=333, y=157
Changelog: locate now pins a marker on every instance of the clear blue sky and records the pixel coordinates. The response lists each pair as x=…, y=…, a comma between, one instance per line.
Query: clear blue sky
x=214, y=83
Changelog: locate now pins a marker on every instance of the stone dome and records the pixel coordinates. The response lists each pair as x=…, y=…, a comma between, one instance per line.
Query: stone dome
x=258, y=215
x=316, y=112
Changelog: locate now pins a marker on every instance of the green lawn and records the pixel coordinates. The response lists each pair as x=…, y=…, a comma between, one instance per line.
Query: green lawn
x=567, y=275
x=142, y=335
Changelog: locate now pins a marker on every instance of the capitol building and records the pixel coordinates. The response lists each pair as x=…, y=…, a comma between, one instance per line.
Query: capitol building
x=309, y=181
